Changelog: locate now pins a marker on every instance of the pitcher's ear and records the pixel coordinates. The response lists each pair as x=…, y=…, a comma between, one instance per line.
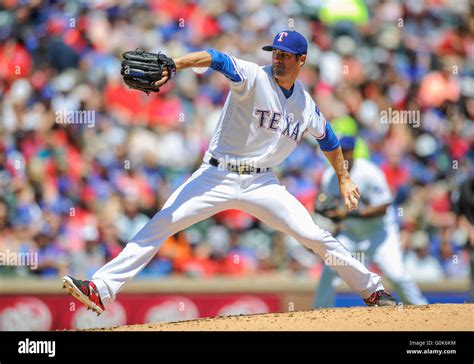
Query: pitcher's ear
x=302, y=59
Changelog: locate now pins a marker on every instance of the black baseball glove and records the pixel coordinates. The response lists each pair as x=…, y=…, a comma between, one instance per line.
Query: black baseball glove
x=327, y=206
x=144, y=70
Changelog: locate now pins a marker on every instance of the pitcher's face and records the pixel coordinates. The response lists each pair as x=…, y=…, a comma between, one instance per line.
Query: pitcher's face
x=285, y=64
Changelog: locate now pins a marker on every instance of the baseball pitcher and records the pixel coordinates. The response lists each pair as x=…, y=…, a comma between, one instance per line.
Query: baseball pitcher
x=266, y=113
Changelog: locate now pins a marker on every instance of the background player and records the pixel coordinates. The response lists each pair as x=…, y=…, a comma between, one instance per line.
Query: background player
x=265, y=116
x=371, y=230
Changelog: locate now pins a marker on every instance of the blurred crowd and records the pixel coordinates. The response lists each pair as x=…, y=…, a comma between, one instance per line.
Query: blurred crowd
x=85, y=162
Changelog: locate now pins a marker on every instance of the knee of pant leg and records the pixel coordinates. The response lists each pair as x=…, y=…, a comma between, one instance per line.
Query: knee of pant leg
x=319, y=235
x=307, y=237
x=155, y=227
x=312, y=237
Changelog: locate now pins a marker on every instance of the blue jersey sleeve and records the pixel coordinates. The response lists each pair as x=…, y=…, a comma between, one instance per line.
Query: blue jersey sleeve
x=329, y=141
x=225, y=64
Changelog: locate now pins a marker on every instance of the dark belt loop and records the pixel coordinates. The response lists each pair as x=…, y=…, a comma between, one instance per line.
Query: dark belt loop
x=214, y=162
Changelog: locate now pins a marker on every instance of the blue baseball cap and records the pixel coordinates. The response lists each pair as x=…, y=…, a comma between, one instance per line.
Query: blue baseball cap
x=289, y=41
x=347, y=142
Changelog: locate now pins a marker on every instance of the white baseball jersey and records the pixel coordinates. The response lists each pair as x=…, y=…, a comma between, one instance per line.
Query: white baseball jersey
x=258, y=124
x=374, y=191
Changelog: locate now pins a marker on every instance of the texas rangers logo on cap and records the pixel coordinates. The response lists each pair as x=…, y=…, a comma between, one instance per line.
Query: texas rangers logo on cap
x=289, y=41
x=281, y=35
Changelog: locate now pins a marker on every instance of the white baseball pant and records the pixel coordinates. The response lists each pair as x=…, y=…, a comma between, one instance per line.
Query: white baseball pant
x=210, y=190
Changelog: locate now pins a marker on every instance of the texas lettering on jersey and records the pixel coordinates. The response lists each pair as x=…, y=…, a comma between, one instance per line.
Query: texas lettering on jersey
x=271, y=120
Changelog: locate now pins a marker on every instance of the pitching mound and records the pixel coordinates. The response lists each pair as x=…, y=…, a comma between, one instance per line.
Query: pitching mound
x=438, y=317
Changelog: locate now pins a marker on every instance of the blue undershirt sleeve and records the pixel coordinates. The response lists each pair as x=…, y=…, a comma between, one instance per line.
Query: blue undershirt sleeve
x=330, y=141
x=224, y=64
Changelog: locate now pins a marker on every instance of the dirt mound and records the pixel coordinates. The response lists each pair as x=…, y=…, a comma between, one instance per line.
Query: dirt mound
x=438, y=317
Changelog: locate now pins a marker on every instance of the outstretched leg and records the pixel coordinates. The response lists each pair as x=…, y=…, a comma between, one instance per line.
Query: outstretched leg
x=275, y=206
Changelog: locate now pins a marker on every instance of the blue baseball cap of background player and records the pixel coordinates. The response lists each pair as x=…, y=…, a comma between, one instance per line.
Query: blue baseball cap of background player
x=347, y=142
x=289, y=41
